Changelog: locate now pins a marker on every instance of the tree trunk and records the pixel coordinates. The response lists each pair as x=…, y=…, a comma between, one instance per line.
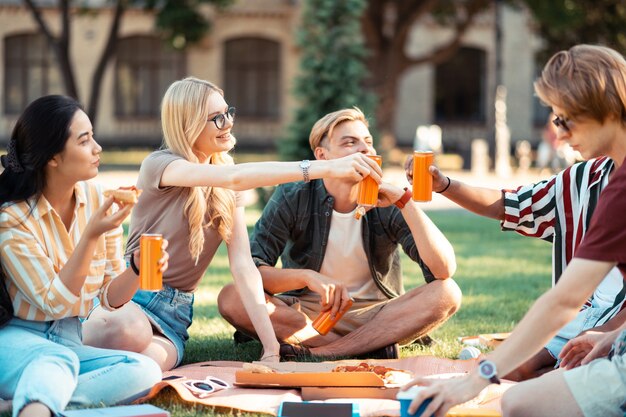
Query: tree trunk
x=59, y=46
x=105, y=58
x=64, y=48
x=385, y=72
x=385, y=27
x=386, y=37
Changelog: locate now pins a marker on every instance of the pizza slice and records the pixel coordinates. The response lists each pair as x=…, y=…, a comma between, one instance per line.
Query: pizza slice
x=126, y=195
x=257, y=368
x=391, y=376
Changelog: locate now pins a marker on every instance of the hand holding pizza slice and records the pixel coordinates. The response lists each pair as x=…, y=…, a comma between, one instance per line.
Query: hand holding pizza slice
x=124, y=195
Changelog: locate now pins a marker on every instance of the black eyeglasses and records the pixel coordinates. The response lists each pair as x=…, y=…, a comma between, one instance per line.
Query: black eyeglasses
x=561, y=122
x=220, y=119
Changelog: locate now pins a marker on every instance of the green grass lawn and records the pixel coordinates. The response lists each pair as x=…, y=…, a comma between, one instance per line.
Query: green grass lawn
x=500, y=275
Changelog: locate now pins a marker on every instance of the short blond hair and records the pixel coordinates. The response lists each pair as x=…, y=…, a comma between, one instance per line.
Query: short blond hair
x=587, y=81
x=324, y=127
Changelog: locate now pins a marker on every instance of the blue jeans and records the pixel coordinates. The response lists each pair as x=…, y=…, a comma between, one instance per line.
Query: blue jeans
x=46, y=362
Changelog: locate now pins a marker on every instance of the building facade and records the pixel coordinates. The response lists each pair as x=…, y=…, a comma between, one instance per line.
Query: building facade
x=251, y=53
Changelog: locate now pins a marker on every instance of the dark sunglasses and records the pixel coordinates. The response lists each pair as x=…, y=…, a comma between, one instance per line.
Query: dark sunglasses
x=561, y=122
x=220, y=119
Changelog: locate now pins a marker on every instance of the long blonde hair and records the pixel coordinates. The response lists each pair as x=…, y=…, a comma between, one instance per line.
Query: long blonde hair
x=184, y=114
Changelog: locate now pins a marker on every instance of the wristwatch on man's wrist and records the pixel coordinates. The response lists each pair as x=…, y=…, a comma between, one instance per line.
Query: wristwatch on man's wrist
x=404, y=199
x=487, y=370
x=304, y=166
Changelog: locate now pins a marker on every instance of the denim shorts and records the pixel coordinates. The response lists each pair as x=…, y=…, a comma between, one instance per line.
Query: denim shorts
x=585, y=320
x=170, y=311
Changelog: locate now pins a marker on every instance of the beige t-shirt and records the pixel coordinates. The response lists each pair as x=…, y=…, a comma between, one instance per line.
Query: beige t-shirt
x=161, y=210
x=345, y=259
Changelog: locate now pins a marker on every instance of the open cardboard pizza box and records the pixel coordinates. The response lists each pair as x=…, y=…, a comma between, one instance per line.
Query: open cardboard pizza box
x=487, y=340
x=318, y=382
x=492, y=340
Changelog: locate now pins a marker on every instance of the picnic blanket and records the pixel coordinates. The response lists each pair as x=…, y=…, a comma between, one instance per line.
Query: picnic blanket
x=267, y=400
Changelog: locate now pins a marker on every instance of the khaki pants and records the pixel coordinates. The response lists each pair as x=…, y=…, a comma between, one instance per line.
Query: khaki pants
x=361, y=312
x=600, y=387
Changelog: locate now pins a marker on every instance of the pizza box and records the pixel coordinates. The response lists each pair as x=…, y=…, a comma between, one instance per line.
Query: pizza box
x=308, y=374
x=485, y=340
x=492, y=339
x=328, y=393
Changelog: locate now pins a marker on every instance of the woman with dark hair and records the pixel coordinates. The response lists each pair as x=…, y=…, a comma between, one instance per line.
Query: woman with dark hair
x=60, y=248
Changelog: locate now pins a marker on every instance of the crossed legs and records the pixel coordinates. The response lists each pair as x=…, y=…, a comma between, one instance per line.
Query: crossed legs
x=407, y=317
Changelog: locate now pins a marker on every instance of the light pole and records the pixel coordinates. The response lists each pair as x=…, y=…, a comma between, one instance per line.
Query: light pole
x=502, y=134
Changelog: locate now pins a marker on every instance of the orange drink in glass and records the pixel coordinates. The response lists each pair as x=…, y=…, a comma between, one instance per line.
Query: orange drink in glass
x=324, y=322
x=150, y=276
x=422, y=180
x=368, y=189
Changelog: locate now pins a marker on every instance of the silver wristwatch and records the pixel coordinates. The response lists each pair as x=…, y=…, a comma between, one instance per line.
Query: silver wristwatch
x=304, y=166
x=487, y=370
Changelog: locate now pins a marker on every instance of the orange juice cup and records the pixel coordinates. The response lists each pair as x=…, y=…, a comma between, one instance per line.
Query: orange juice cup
x=324, y=322
x=150, y=277
x=422, y=180
x=368, y=189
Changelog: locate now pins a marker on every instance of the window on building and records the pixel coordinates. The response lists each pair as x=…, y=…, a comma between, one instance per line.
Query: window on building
x=30, y=71
x=145, y=67
x=460, y=87
x=252, y=75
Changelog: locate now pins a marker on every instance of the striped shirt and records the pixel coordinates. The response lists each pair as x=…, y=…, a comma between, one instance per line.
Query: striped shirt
x=559, y=210
x=35, y=247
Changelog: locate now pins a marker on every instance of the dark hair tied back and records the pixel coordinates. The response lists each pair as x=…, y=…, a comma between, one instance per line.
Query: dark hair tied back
x=10, y=160
x=39, y=134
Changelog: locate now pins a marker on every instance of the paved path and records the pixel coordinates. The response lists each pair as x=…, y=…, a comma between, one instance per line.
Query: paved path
x=114, y=179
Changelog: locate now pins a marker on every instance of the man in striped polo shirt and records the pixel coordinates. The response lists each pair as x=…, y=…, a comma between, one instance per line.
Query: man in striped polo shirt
x=557, y=210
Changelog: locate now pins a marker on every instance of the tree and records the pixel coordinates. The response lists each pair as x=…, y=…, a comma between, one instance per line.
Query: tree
x=386, y=27
x=564, y=23
x=387, y=24
x=179, y=22
x=332, y=68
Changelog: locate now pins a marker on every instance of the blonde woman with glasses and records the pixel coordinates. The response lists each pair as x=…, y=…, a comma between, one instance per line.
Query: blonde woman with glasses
x=190, y=196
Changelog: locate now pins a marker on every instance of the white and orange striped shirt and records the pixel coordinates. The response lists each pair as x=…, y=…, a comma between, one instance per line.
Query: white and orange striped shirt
x=559, y=210
x=35, y=246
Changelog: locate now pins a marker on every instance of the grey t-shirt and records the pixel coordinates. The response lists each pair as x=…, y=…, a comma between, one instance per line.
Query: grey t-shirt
x=161, y=210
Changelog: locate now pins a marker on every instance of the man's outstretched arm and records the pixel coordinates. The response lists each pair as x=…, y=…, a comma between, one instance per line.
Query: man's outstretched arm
x=487, y=202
